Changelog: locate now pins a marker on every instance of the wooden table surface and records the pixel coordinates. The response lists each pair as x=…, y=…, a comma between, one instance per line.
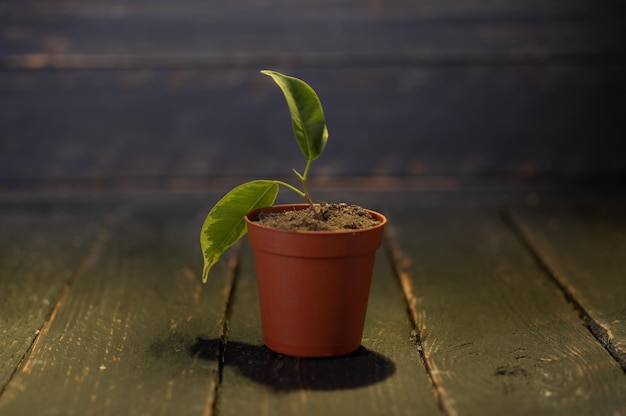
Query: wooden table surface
x=483, y=302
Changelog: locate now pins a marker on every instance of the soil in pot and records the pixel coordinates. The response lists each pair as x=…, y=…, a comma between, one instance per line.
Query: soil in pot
x=322, y=217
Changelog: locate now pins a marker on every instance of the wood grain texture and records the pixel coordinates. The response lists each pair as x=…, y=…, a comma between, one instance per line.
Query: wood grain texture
x=38, y=260
x=497, y=334
x=127, y=337
x=135, y=332
x=386, y=376
x=582, y=244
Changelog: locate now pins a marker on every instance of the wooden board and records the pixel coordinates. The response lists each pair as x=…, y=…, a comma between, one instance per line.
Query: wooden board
x=386, y=376
x=583, y=246
x=101, y=34
x=135, y=332
x=43, y=247
x=498, y=336
x=519, y=122
x=128, y=337
x=161, y=89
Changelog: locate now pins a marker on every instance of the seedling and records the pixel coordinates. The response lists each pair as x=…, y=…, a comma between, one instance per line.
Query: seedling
x=225, y=224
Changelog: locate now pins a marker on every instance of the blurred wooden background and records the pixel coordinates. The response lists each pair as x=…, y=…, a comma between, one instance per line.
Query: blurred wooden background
x=110, y=92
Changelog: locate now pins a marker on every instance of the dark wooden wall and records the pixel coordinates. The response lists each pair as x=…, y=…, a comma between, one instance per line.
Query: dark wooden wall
x=96, y=90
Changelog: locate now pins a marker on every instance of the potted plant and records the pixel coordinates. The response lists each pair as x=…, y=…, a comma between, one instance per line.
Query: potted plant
x=314, y=282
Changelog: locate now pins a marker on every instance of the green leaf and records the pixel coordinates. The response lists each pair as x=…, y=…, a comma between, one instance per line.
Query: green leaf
x=225, y=224
x=306, y=111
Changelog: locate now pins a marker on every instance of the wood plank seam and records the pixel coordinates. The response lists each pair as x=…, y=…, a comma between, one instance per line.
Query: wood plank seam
x=597, y=330
x=234, y=260
x=92, y=254
x=398, y=260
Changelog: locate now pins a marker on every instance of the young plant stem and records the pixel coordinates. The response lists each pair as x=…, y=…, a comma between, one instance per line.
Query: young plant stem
x=304, y=184
x=304, y=193
x=293, y=188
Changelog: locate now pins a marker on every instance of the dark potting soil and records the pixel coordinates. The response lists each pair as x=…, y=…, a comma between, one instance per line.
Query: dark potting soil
x=322, y=217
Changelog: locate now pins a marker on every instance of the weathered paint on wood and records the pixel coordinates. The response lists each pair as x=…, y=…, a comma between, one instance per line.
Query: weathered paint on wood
x=386, y=376
x=127, y=336
x=497, y=334
x=583, y=246
x=136, y=333
x=42, y=248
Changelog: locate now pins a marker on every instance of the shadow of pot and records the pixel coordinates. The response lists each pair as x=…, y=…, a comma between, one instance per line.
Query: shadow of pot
x=313, y=285
x=281, y=373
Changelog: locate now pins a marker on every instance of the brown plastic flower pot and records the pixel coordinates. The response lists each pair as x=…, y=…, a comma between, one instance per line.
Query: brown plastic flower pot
x=313, y=285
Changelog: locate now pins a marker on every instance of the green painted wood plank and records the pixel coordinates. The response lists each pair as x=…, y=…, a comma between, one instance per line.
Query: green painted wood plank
x=42, y=247
x=127, y=337
x=583, y=245
x=386, y=377
x=498, y=336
